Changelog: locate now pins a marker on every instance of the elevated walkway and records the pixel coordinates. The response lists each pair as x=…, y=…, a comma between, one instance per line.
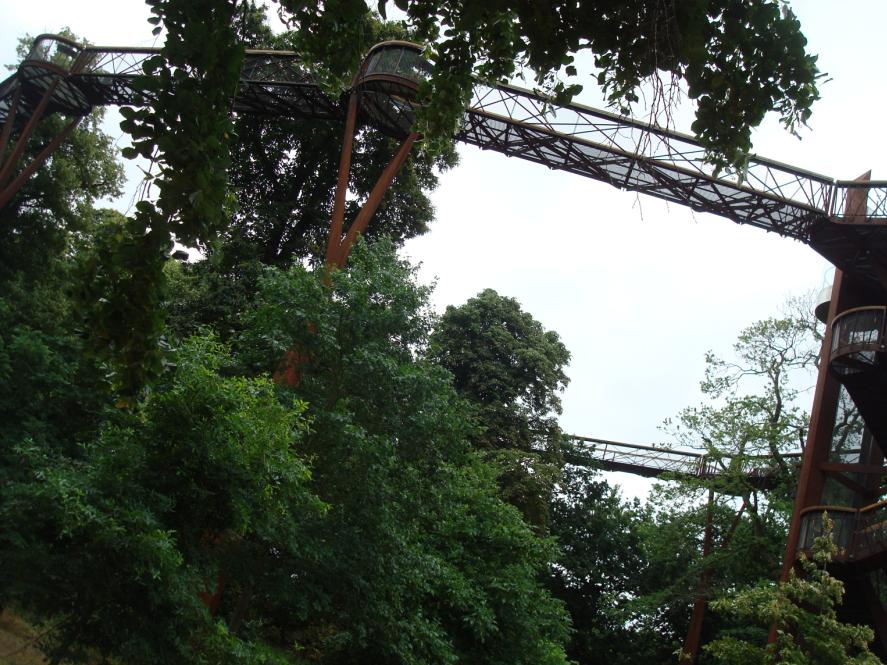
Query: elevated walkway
x=761, y=472
x=63, y=76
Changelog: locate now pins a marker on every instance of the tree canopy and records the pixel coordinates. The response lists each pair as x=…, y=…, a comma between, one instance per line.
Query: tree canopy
x=513, y=371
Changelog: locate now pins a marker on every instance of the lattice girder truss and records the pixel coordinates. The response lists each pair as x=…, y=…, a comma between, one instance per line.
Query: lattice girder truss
x=653, y=462
x=614, y=149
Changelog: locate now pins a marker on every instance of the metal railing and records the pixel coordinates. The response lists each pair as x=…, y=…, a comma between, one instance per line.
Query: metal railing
x=873, y=197
x=858, y=335
x=843, y=527
x=858, y=533
x=652, y=461
x=618, y=150
x=55, y=50
x=641, y=157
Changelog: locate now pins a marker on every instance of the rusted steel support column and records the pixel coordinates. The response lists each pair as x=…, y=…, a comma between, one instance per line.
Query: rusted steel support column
x=819, y=434
x=690, y=650
x=822, y=415
x=375, y=198
x=10, y=121
x=9, y=191
x=825, y=401
x=9, y=165
x=337, y=222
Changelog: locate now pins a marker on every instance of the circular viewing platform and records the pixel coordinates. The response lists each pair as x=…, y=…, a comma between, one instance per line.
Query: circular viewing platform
x=860, y=535
x=843, y=527
x=50, y=61
x=858, y=340
x=388, y=81
x=54, y=52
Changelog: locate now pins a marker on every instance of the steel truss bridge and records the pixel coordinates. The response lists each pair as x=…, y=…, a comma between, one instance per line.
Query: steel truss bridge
x=844, y=221
x=61, y=76
x=760, y=471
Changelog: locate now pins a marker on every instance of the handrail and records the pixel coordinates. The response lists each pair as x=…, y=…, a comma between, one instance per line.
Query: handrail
x=859, y=309
x=651, y=461
x=688, y=453
x=59, y=38
x=828, y=509
x=873, y=506
x=622, y=151
x=842, y=326
x=856, y=537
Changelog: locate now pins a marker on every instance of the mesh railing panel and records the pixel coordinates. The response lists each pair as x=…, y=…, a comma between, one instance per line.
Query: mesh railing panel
x=875, y=193
x=640, y=157
x=843, y=529
x=858, y=328
x=652, y=461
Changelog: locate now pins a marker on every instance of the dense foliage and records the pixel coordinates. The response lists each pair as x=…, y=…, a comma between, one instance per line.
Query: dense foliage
x=599, y=570
x=423, y=562
x=512, y=369
x=162, y=500
x=804, y=612
x=334, y=524
x=185, y=133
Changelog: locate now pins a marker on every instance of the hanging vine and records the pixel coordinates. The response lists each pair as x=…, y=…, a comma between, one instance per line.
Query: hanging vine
x=184, y=130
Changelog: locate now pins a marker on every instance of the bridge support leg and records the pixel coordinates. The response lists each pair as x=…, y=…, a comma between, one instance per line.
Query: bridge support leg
x=338, y=220
x=338, y=248
x=369, y=208
x=819, y=435
x=690, y=650
x=10, y=190
x=9, y=164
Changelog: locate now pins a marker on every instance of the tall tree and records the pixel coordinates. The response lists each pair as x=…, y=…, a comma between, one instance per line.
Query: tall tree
x=750, y=411
x=599, y=572
x=512, y=369
x=423, y=563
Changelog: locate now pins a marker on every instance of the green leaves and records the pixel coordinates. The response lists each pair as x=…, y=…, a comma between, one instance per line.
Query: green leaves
x=421, y=561
x=184, y=133
x=512, y=370
x=205, y=481
x=804, y=611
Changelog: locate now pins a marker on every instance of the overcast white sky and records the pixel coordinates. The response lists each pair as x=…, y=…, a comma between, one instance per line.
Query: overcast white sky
x=637, y=289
